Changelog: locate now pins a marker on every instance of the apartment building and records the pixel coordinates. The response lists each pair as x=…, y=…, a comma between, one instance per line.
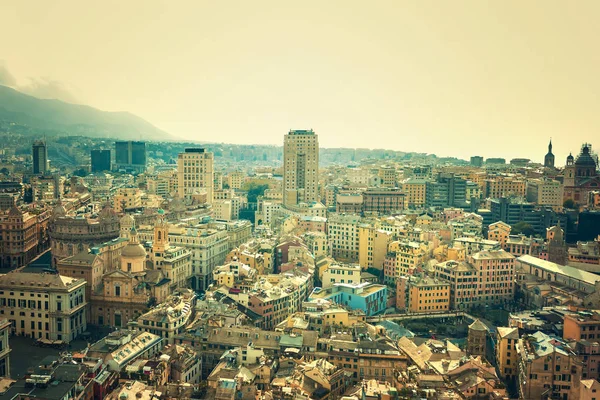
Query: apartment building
x=4, y=348
x=368, y=297
x=499, y=231
x=546, y=192
x=547, y=368
x=383, y=202
x=275, y=297
x=504, y=186
x=485, y=278
x=414, y=192
x=416, y=294
x=506, y=352
x=341, y=274
x=403, y=258
x=343, y=236
x=169, y=318
x=23, y=235
x=43, y=305
x=127, y=199
x=373, y=246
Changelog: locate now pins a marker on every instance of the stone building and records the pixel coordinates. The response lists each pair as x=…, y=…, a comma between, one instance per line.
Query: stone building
x=71, y=234
x=23, y=236
x=476, y=339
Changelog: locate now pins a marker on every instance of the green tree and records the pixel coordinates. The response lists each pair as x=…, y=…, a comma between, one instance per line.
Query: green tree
x=569, y=203
x=522, y=227
x=255, y=190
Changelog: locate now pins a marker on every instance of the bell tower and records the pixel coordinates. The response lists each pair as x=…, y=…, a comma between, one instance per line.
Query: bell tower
x=569, y=173
x=549, y=158
x=161, y=235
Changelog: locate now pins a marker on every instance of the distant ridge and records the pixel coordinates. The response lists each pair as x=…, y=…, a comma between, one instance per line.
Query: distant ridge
x=55, y=115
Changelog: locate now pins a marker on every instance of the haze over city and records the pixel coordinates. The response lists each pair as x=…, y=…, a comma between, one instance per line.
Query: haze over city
x=451, y=78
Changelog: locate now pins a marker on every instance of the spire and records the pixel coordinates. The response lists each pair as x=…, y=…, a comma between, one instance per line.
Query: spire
x=550, y=146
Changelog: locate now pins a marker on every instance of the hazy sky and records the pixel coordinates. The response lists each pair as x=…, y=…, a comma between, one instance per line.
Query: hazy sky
x=493, y=78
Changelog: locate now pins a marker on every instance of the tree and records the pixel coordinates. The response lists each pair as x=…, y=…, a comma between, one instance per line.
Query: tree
x=569, y=203
x=255, y=190
x=522, y=227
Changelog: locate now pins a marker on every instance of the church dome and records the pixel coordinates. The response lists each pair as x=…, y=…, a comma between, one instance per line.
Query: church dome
x=133, y=250
x=127, y=220
x=585, y=159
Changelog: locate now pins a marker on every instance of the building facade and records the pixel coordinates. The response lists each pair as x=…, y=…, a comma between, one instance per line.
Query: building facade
x=300, y=167
x=195, y=173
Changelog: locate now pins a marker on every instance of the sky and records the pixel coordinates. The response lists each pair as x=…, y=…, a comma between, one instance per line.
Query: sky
x=450, y=77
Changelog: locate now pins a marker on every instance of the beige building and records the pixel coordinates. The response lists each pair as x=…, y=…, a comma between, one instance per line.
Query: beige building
x=422, y=294
x=547, y=368
x=4, y=348
x=23, y=235
x=72, y=234
x=169, y=318
x=128, y=291
x=208, y=246
x=506, y=352
x=499, y=232
x=414, y=192
x=236, y=179
x=195, y=173
x=127, y=199
x=486, y=278
x=373, y=246
x=43, y=305
x=388, y=176
x=175, y=262
x=300, y=167
x=341, y=274
x=343, y=236
x=547, y=192
x=504, y=186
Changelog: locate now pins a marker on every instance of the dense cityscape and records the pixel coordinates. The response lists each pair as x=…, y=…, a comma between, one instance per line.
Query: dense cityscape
x=173, y=270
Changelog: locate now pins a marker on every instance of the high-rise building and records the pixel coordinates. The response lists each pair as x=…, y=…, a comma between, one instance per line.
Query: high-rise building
x=40, y=157
x=100, y=160
x=477, y=161
x=130, y=155
x=300, y=167
x=195, y=173
x=446, y=191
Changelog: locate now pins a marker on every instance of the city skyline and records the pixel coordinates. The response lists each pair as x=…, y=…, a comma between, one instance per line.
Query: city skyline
x=391, y=75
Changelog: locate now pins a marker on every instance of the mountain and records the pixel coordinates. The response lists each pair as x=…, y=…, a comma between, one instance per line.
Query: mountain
x=41, y=115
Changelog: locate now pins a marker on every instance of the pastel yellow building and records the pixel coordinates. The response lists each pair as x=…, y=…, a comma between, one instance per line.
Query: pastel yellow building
x=427, y=295
x=504, y=186
x=414, y=192
x=372, y=246
x=499, y=231
x=506, y=352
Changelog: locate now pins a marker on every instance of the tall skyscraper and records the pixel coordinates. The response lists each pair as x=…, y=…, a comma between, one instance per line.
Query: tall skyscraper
x=40, y=157
x=100, y=160
x=300, y=167
x=195, y=173
x=130, y=155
